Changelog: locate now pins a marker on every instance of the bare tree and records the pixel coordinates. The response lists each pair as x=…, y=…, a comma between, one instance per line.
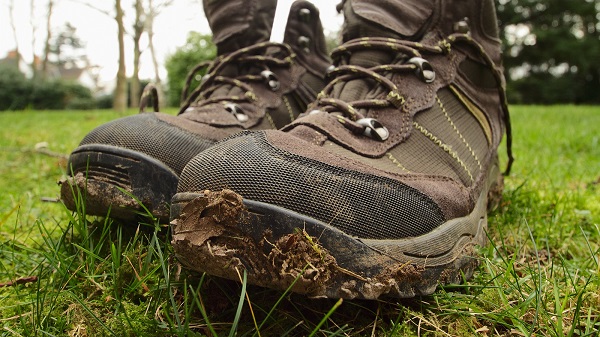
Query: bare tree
x=33, y=24
x=13, y=26
x=48, y=38
x=138, y=30
x=152, y=11
x=120, y=93
x=120, y=96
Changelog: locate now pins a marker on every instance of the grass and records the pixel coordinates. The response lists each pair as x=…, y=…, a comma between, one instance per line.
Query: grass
x=93, y=277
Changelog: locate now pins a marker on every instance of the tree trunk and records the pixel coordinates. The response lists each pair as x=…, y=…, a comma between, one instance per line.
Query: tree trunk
x=150, y=30
x=138, y=30
x=120, y=96
x=13, y=26
x=34, y=66
x=48, y=38
x=153, y=11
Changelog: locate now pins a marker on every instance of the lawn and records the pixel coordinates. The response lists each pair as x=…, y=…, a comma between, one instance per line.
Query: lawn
x=62, y=274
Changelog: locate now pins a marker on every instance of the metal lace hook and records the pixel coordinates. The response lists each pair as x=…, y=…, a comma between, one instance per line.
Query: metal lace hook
x=424, y=69
x=374, y=129
x=235, y=110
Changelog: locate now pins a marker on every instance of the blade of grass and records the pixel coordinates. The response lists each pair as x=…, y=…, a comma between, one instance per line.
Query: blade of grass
x=326, y=317
x=240, y=306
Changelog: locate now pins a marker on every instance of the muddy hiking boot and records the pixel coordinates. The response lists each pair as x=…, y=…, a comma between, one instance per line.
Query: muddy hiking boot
x=252, y=85
x=381, y=188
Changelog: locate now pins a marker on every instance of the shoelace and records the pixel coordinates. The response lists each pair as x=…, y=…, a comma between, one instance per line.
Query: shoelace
x=348, y=113
x=261, y=55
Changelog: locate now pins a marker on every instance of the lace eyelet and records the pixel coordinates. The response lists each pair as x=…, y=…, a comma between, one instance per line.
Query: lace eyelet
x=374, y=129
x=462, y=27
x=305, y=15
x=235, y=110
x=424, y=69
x=271, y=79
x=204, y=78
x=304, y=43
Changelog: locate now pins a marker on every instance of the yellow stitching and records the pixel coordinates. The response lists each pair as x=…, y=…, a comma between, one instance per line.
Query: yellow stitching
x=270, y=119
x=458, y=132
x=444, y=147
x=395, y=161
x=289, y=108
x=475, y=111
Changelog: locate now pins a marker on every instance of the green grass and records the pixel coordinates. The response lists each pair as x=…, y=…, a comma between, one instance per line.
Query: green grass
x=539, y=275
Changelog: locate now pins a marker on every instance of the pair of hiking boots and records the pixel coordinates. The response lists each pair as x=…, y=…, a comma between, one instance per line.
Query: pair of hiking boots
x=363, y=179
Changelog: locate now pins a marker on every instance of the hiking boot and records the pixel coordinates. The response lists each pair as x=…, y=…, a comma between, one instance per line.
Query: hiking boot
x=381, y=188
x=131, y=166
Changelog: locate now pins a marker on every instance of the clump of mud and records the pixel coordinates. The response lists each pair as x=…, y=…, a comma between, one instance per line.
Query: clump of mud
x=299, y=257
x=208, y=237
x=99, y=196
x=207, y=217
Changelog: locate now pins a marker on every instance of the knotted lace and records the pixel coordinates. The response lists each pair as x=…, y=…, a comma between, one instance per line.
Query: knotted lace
x=349, y=113
x=257, y=59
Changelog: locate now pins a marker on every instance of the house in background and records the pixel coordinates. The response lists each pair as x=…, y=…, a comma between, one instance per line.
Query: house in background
x=88, y=75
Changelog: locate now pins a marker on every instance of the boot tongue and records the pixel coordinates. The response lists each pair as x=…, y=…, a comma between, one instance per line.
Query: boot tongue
x=239, y=23
x=364, y=18
x=357, y=89
x=406, y=20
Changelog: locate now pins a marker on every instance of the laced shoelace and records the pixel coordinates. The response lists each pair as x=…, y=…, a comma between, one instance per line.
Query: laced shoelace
x=348, y=113
x=259, y=56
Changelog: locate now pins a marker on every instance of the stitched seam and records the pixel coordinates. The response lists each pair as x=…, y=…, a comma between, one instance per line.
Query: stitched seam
x=289, y=108
x=270, y=119
x=397, y=163
x=459, y=133
x=475, y=111
x=444, y=147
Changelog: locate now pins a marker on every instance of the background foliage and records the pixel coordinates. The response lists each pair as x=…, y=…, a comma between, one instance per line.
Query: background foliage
x=551, y=53
x=552, y=48
x=198, y=48
x=18, y=93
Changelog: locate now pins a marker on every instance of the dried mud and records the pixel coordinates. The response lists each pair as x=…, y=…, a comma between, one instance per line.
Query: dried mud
x=208, y=237
x=99, y=195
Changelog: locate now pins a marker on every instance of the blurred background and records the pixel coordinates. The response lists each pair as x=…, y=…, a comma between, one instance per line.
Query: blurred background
x=65, y=54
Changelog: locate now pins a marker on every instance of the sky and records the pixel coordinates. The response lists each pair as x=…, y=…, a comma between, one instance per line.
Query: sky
x=99, y=31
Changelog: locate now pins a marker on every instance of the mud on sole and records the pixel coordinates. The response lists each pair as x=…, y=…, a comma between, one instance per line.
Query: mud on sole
x=222, y=234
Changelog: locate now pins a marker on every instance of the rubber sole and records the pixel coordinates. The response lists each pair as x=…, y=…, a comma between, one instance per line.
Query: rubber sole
x=118, y=182
x=221, y=233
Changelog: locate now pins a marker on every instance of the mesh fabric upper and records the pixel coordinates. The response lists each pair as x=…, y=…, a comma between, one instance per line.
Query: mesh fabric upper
x=382, y=208
x=147, y=134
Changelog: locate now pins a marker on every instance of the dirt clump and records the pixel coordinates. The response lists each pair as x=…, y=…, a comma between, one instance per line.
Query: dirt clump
x=211, y=236
x=300, y=257
x=207, y=217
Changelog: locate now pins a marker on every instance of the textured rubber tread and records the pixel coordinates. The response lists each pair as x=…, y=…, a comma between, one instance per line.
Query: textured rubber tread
x=119, y=181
